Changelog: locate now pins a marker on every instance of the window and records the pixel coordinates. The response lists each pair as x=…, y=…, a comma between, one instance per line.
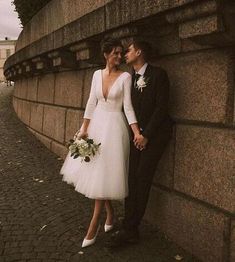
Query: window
x=8, y=52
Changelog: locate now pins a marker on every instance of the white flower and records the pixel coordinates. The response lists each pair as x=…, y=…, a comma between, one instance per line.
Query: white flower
x=141, y=83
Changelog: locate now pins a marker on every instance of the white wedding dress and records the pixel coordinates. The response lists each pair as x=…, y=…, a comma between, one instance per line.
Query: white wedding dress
x=106, y=175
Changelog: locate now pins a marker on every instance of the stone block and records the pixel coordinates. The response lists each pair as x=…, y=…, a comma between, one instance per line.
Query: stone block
x=199, y=230
x=205, y=164
x=36, y=119
x=69, y=34
x=189, y=45
x=200, y=26
x=87, y=85
x=191, y=12
x=46, y=85
x=201, y=86
x=19, y=108
x=58, y=20
x=117, y=13
x=89, y=25
x=25, y=113
x=144, y=8
x=17, y=88
x=59, y=149
x=45, y=140
x=32, y=88
x=92, y=23
x=54, y=122
x=68, y=88
x=75, y=9
x=35, y=23
x=23, y=88
x=73, y=123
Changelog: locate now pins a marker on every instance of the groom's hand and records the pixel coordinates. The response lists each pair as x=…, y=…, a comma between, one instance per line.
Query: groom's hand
x=140, y=142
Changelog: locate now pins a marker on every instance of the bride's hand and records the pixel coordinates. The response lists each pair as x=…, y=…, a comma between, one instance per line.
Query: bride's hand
x=140, y=141
x=81, y=134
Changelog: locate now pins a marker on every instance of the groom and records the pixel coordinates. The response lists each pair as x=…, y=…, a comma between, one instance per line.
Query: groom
x=150, y=93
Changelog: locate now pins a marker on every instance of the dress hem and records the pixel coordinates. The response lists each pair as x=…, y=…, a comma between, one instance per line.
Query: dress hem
x=92, y=197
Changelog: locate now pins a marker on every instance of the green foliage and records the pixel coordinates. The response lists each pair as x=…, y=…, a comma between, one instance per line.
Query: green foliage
x=26, y=9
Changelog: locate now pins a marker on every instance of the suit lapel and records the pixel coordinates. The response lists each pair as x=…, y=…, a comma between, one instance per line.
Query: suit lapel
x=148, y=73
x=133, y=89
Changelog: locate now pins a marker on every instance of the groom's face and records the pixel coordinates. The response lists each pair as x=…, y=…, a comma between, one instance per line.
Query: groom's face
x=132, y=54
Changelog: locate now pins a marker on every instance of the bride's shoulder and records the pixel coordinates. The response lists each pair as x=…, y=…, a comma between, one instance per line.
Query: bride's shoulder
x=96, y=72
x=126, y=75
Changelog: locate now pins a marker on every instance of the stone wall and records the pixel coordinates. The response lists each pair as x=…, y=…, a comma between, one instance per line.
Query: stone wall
x=52, y=105
x=193, y=195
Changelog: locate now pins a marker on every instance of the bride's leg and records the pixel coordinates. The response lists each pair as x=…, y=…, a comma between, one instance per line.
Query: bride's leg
x=95, y=219
x=110, y=212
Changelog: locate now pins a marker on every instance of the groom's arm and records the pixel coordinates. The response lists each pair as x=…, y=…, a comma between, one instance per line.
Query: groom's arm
x=161, y=109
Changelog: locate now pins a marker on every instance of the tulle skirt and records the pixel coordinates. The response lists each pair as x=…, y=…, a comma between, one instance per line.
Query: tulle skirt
x=106, y=175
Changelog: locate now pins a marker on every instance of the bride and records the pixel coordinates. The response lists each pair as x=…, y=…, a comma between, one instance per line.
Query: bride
x=105, y=177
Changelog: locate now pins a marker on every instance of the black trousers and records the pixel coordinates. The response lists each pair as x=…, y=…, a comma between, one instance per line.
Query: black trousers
x=142, y=168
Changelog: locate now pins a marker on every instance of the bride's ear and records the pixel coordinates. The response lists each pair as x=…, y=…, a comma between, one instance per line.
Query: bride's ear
x=105, y=56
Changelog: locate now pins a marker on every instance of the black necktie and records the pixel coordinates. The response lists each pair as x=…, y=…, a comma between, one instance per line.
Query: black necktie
x=137, y=76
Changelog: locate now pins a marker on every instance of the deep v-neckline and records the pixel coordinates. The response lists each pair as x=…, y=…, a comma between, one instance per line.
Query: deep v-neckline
x=111, y=86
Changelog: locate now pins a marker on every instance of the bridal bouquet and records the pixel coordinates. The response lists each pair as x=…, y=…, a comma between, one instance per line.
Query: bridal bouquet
x=83, y=147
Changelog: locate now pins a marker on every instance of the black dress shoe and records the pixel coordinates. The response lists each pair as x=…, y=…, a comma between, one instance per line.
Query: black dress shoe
x=123, y=237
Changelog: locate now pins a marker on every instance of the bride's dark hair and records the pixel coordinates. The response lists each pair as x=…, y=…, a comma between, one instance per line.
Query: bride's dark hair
x=108, y=43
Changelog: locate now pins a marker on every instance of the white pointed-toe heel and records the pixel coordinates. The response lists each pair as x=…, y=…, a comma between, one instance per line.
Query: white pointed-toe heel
x=89, y=242
x=107, y=228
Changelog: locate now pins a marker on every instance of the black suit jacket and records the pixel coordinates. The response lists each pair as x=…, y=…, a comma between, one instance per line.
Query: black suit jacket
x=151, y=105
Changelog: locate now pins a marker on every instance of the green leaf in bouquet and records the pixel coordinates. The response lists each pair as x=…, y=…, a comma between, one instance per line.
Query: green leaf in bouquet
x=90, y=141
x=72, y=150
x=77, y=149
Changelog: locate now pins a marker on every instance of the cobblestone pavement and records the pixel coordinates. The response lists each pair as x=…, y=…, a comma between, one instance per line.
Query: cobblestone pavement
x=43, y=218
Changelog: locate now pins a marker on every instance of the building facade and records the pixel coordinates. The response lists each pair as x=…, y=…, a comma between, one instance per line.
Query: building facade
x=7, y=48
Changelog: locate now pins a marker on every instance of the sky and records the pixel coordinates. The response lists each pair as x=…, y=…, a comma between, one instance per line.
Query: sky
x=9, y=22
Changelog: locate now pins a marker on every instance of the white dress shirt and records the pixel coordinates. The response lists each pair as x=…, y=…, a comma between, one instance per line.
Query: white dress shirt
x=142, y=69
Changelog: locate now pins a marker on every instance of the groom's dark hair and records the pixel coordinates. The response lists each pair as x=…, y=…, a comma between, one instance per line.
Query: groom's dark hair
x=144, y=46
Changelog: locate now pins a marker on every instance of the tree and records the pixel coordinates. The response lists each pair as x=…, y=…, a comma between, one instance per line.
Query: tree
x=26, y=9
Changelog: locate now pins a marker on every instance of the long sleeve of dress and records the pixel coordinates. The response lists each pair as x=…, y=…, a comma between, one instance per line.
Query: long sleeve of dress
x=92, y=101
x=127, y=104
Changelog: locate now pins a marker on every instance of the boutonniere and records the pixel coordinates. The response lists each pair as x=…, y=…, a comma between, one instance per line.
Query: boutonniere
x=142, y=83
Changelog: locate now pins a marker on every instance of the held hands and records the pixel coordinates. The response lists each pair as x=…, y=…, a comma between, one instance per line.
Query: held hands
x=140, y=141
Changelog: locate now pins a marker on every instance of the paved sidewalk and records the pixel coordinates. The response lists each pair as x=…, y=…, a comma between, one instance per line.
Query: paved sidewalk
x=43, y=218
